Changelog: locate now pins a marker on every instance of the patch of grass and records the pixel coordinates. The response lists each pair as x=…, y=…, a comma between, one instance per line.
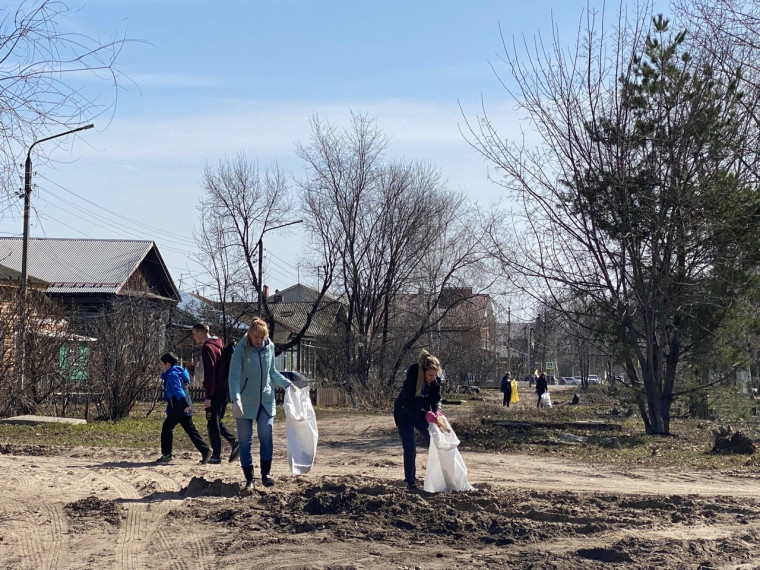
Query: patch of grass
x=138, y=431
x=688, y=447
x=133, y=432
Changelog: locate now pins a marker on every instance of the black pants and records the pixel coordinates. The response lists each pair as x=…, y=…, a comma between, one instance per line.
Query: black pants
x=216, y=429
x=187, y=424
x=507, y=396
x=406, y=426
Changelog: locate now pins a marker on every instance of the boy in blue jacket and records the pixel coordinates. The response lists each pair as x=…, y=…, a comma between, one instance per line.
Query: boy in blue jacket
x=179, y=409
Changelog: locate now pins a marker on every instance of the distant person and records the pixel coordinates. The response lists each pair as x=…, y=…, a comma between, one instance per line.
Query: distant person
x=179, y=409
x=418, y=404
x=252, y=372
x=541, y=387
x=217, y=392
x=506, y=389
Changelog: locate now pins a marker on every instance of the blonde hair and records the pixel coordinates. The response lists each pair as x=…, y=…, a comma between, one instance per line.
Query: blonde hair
x=426, y=362
x=258, y=326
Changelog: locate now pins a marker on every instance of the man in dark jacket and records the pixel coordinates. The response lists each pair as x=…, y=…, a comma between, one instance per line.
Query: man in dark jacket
x=217, y=391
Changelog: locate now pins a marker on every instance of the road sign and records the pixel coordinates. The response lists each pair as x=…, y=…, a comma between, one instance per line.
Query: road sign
x=550, y=366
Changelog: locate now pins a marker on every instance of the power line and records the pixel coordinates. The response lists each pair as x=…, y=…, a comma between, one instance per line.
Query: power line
x=177, y=238
x=123, y=233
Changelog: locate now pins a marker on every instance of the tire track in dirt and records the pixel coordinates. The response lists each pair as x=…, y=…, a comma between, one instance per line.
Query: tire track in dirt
x=168, y=546
x=31, y=545
x=21, y=501
x=192, y=541
x=201, y=551
x=145, y=515
x=41, y=541
x=54, y=546
x=142, y=519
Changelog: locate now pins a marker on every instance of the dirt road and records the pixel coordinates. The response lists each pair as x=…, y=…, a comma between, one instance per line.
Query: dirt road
x=90, y=508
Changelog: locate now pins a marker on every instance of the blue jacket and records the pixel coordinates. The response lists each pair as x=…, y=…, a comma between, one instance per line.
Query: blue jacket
x=176, y=396
x=251, y=374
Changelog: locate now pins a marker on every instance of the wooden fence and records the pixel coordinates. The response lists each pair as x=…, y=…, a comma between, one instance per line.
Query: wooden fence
x=319, y=396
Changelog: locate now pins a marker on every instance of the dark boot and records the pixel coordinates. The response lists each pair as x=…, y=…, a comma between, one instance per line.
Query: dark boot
x=266, y=467
x=249, y=484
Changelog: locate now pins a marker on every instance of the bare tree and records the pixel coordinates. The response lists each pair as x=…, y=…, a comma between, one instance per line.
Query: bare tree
x=390, y=228
x=640, y=197
x=53, y=364
x=239, y=205
x=226, y=273
x=44, y=75
x=131, y=333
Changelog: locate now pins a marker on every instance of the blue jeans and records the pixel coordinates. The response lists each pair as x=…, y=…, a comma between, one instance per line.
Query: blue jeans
x=264, y=426
x=406, y=426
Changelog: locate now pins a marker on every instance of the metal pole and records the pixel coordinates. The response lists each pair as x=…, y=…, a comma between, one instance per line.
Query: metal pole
x=261, y=253
x=25, y=244
x=27, y=198
x=530, y=334
x=509, y=335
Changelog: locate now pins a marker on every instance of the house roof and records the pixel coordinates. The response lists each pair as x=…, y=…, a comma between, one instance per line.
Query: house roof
x=292, y=316
x=76, y=266
x=297, y=293
x=8, y=274
x=193, y=305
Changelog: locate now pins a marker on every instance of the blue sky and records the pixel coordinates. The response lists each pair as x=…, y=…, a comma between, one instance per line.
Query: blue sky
x=210, y=80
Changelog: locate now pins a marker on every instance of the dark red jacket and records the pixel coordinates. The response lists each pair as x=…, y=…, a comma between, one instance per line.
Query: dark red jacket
x=214, y=370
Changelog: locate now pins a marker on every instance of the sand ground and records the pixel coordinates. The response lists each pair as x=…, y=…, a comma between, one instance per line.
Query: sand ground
x=95, y=508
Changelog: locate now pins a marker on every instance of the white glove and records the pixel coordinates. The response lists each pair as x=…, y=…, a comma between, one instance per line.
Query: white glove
x=237, y=408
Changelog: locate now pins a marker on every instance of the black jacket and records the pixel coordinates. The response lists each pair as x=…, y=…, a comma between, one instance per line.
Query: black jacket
x=541, y=386
x=408, y=406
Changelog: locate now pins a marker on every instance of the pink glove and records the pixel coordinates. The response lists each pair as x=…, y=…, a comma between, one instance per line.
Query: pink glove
x=431, y=418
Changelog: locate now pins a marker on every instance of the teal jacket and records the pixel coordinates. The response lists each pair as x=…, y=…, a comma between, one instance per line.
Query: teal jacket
x=251, y=374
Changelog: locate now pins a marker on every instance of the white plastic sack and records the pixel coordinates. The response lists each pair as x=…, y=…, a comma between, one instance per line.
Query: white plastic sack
x=300, y=430
x=446, y=470
x=546, y=400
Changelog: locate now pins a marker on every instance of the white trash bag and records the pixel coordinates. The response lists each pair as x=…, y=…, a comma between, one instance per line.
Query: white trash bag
x=300, y=430
x=546, y=400
x=446, y=470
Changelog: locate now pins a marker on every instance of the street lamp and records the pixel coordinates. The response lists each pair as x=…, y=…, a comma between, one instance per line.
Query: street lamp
x=261, y=254
x=27, y=196
x=25, y=246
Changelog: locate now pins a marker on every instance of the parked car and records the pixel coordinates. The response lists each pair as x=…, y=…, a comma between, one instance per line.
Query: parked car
x=570, y=381
x=593, y=379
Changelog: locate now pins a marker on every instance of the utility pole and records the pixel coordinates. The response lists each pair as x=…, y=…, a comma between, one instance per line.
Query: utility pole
x=25, y=243
x=261, y=258
x=27, y=199
x=509, y=336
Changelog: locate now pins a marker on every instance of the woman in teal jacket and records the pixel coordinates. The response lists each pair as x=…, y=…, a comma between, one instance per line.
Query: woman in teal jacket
x=251, y=375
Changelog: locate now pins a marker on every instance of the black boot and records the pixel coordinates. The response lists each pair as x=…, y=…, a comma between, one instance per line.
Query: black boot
x=249, y=484
x=266, y=467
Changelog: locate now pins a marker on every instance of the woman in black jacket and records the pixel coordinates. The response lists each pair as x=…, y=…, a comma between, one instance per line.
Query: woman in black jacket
x=418, y=404
x=541, y=387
